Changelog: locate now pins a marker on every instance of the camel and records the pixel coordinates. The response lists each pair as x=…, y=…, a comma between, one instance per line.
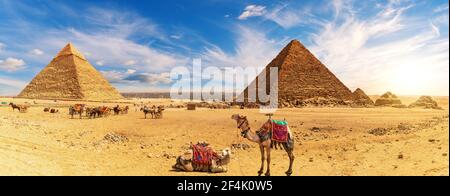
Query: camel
x=77, y=109
x=51, y=110
x=264, y=139
x=218, y=164
x=159, y=112
x=147, y=110
x=121, y=110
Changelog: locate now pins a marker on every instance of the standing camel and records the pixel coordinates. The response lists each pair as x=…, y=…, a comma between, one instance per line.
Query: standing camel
x=264, y=139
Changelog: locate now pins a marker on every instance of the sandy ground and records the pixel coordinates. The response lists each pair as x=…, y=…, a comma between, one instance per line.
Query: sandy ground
x=38, y=143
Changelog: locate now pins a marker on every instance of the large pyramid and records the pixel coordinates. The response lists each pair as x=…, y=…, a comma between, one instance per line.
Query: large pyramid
x=303, y=80
x=69, y=76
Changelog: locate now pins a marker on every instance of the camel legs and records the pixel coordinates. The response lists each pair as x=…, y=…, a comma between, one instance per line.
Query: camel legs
x=268, y=161
x=290, y=152
x=262, y=160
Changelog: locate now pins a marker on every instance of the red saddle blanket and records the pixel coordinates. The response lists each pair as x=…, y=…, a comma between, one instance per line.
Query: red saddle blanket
x=280, y=131
x=203, y=155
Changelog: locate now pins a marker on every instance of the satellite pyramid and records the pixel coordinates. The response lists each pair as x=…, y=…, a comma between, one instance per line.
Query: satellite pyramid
x=303, y=80
x=360, y=97
x=389, y=99
x=70, y=76
x=425, y=102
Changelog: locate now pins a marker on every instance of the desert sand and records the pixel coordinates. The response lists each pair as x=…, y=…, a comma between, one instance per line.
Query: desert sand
x=414, y=141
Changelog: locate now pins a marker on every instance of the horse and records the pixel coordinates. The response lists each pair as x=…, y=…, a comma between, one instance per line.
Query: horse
x=21, y=108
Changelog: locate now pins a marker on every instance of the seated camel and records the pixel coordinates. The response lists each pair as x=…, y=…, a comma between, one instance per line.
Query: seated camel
x=216, y=163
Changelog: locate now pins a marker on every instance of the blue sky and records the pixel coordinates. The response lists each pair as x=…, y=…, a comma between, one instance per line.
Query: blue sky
x=397, y=45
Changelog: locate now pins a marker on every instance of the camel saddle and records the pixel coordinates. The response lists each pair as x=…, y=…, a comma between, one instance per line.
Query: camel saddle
x=280, y=131
x=203, y=155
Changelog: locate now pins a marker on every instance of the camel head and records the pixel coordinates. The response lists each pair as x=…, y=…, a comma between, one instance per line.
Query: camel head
x=236, y=116
x=224, y=157
x=242, y=123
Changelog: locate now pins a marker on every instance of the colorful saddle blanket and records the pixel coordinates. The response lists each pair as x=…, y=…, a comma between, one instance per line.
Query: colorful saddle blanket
x=280, y=131
x=203, y=155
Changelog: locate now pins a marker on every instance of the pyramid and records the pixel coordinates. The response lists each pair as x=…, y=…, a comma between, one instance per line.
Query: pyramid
x=69, y=76
x=389, y=99
x=303, y=80
x=425, y=102
x=360, y=98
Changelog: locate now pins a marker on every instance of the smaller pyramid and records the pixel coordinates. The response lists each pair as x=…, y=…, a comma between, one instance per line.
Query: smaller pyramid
x=425, y=102
x=360, y=98
x=389, y=99
x=69, y=76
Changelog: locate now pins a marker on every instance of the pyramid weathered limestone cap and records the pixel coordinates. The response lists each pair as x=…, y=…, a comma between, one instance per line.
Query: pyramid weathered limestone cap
x=70, y=49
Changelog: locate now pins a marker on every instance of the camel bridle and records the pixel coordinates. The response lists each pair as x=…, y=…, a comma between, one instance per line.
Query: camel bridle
x=244, y=121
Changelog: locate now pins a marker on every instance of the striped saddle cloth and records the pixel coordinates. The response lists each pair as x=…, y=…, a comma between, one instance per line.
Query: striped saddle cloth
x=280, y=131
x=203, y=155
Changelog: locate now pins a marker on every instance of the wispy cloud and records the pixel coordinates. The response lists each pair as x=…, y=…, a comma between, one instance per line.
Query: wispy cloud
x=441, y=8
x=380, y=53
x=252, y=11
x=245, y=53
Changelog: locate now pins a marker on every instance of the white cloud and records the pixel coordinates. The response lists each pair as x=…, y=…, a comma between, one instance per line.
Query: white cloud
x=131, y=71
x=245, y=54
x=380, y=53
x=286, y=16
x=253, y=49
x=12, y=64
x=108, y=41
x=252, y=11
x=37, y=52
x=100, y=63
x=114, y=76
